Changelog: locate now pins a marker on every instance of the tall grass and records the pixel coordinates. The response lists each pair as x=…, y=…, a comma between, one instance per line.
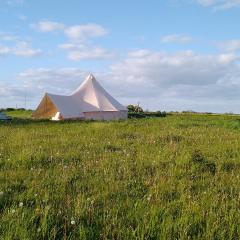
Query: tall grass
x=164, y=178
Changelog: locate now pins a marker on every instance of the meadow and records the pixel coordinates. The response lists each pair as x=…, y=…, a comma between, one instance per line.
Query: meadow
x=154, y=178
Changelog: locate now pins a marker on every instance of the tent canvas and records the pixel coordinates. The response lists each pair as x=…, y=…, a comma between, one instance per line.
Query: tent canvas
x=89, y=101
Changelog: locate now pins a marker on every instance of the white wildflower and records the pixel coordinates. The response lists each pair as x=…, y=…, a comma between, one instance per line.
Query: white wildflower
x=73, y=221
x=21, y=204
x=149, y=197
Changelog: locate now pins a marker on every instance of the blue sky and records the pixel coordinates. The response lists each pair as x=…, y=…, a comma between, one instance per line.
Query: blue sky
x=166, y=55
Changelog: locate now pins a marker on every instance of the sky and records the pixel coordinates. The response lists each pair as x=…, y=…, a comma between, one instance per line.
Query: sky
x=167, y=55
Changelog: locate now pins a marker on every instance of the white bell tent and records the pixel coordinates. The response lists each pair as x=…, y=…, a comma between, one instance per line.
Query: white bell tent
x=89, y=101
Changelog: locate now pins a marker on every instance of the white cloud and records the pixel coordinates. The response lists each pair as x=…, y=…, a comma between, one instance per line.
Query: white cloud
x=60, y=80
x=76, y=32
x=16, y=45
x=227, y=58
x=13, y=3
x=140, y=53
x=78, y=46
x=182, y=80
x=78, y=52
x=22, y=49
x=220, y=4
x=230, y=46
x=10, y=91
x=164, y=69
x=33, y=83
x=206, y=2
x=4, y=50
x=7, y=37
x=175, y=38
x=48, y=26
x=22, y=17
x=84, y=32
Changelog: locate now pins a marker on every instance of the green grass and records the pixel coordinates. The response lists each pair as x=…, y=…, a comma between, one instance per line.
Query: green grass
x=26, y=114
x=159, y=178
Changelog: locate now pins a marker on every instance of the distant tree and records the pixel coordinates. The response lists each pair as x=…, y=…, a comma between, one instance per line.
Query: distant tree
x=135, y=109
x=138, y=109
x=10, y=109
x=131, y=108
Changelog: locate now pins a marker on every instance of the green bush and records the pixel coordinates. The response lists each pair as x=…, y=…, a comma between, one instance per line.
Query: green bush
x=146, y=114
x=134, y=109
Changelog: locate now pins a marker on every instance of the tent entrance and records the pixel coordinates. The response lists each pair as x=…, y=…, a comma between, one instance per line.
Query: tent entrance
x=46, y=108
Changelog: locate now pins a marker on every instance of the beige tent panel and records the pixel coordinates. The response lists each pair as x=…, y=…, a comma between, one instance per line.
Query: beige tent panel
x=46, y=108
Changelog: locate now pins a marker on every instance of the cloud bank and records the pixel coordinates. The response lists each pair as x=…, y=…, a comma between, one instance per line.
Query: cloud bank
x=177, y=81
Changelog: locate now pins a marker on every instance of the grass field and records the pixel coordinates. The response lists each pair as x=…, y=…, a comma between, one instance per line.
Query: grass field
x=161, y=178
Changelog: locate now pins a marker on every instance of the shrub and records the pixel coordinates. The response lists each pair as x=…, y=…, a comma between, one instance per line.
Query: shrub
x=146, y=114
x=131, y=108
x=135, y=109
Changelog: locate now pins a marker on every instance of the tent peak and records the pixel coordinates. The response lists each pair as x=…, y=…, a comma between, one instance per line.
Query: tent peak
x=91, y=77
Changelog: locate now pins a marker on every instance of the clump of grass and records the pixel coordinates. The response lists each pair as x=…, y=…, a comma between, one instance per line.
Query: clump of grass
x=170, y=195
x=173, y=138
x=229, y=166
x=202, y=163
x=128, y=136
x=112, y=148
